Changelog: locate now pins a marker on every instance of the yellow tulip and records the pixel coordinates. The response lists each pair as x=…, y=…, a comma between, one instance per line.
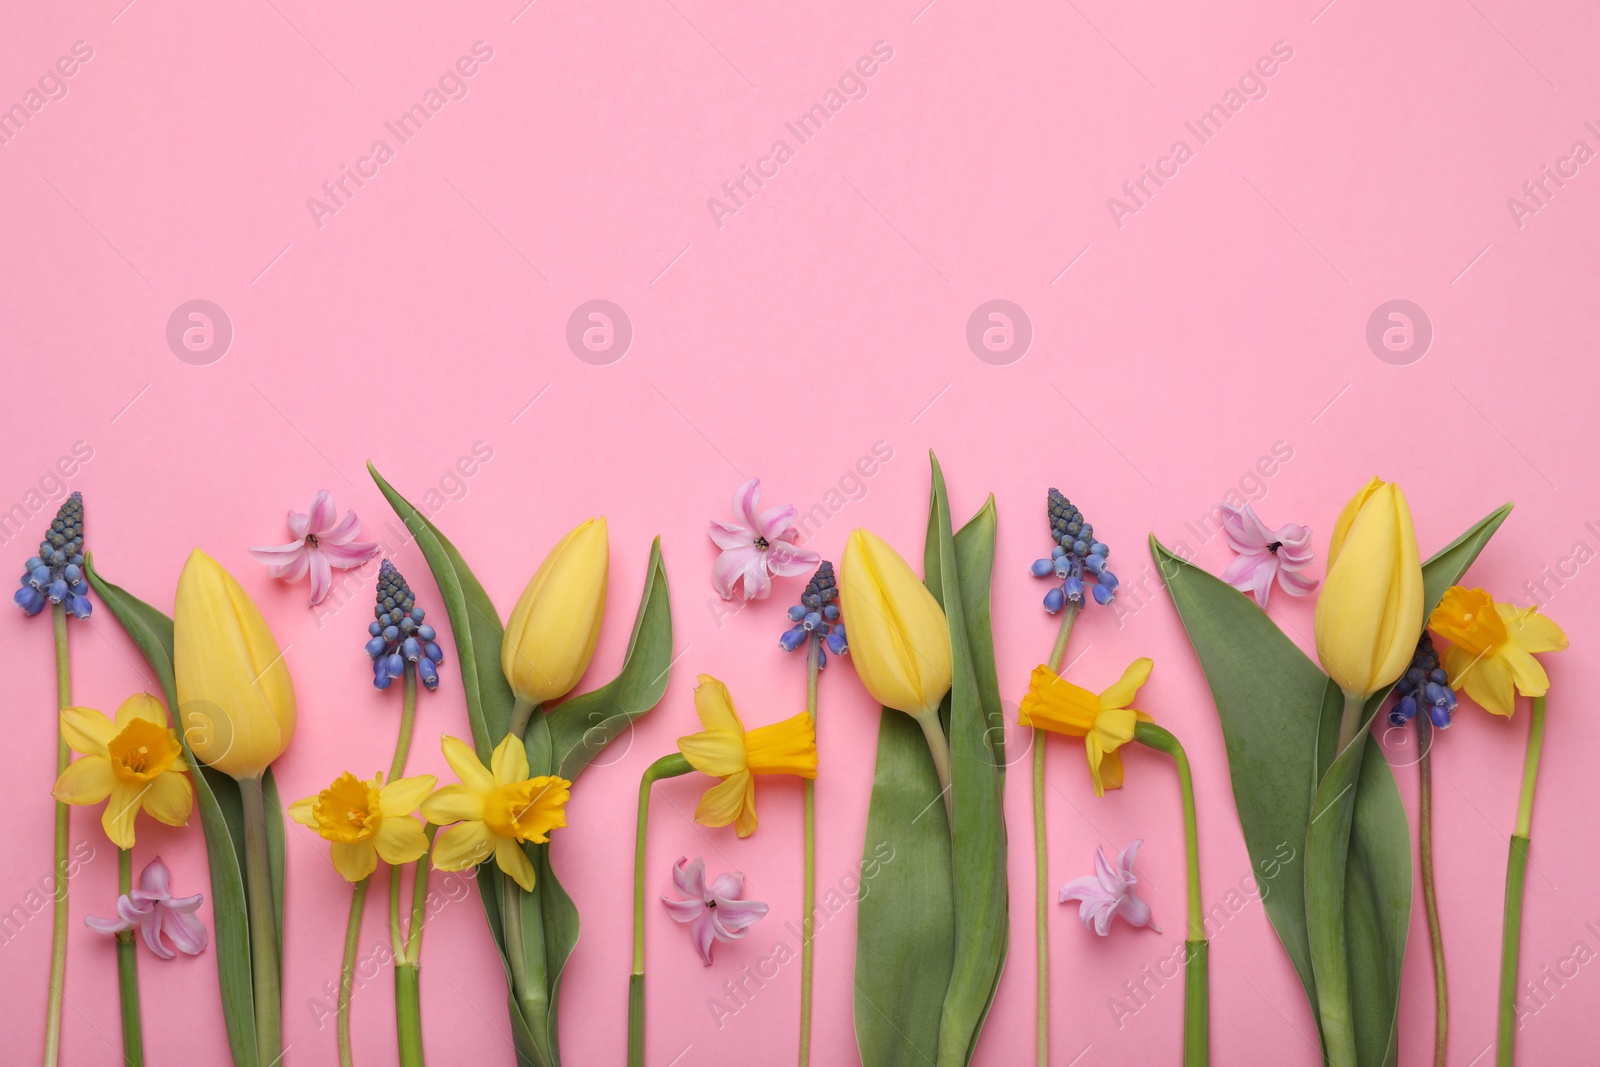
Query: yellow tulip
x=135, y=762
x=496, y=808
x=1105, y=721
x=556, y=623
x=1369, y=614
x=899, y=640
x=365, y=820
x=726, y=750
x=1491, y=647
x=235, y=698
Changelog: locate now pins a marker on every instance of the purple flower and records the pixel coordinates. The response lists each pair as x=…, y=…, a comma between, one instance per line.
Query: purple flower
x=757, y=545
x=1109, y=892
x=154, y=910
x=321, y=543
x=714, y=913
x=1265, y=553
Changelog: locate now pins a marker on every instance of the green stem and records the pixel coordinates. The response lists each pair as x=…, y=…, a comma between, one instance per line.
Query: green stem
x=408, y=721
x=58, y=937
x=419, y=897
x=939, y=748
x=347, y=972
x=408, y=1013
x=665, y=767
x=1516, y=875
x=1430, y=897
x=1041, y=864
x=809, y=893
x=263, y=926
x=128, y=973
x=1350, y=719
x=1197, y=980
x=521, y=715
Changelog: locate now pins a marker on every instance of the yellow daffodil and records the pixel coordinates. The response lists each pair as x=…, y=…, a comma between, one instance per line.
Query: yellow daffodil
x=367, y=819
x=553, y=629
x=1491, y=647
x=235, y=698
x=1369, y=614
x=1104, y=721
x=497, y=809
x=134, y=762
x=725, y=750
x=899, y=639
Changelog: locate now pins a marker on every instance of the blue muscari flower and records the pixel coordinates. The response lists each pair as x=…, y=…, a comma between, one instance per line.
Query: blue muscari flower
x=55, y=575
x=816, y=617
x=1424, y=685
x=398, y=634
x=1076, y=559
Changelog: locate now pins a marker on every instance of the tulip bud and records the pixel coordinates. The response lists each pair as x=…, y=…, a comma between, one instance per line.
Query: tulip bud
x=556, y=623
x=1369, y=614
x=899, y=639
x=235, y=698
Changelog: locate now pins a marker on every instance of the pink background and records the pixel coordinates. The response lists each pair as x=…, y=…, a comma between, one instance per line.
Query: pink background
x=1225, y=318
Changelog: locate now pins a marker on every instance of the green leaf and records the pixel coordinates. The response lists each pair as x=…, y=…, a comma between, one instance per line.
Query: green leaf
x=585, y=724
x=221, y=818
x=978, y=851
x=473, y=620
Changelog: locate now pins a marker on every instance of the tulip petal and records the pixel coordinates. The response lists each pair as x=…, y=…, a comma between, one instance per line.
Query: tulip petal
x=515, y=862
x=464, y=761
x=403, y=795
x=85, y=781
x=86, y=730
x=354, y=860
x=400, y=839
x=464, y=845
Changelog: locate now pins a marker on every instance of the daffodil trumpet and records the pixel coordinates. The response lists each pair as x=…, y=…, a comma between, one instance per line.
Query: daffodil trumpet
x=666, y=767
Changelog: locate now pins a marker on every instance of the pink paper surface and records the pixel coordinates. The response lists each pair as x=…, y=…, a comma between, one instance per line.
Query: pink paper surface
x=1210, y=336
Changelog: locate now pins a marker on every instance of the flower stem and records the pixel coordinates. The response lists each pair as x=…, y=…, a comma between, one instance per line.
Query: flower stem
x=419, y=897
x=1430, y=897
x=347, y=972
x=128, y=973
x=263, y=925
x=58, y=938
x=408, y=1013
x=407, y=980
x=665, y=767
x=521, y=715
x=1516, y=874
x=939, y=748
x=1041, y=863
x=1350, y=719
x=408, y=721
x=1197, y=978
x=809, y=894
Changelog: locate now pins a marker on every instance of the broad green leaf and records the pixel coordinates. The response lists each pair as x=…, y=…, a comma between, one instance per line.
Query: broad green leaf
x=473, y=619
x=583, y=725
x=978, y=850
x=221, y=819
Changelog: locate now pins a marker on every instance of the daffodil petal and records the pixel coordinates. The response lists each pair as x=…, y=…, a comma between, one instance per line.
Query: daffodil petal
x=464, y=761
x=1526, y=671
x=722, y=803
x=141, y=706
x=169, y=798
x=718, y=753
x=122, y=807
x=1532, y=629
x=303, y=811
x=403, y=795
x=1122, y=693
x=515, y=862
x=452, y=803
x=715, y=706
x=746, y=823
x=354, y=860
x=400, y=839
x=465, y=845
x=86, y=730
x=1490, y=683
x=86, y=781
x=509, y=762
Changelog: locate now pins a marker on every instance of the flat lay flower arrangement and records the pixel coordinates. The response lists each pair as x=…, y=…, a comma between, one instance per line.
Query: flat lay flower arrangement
x=1403, y=639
